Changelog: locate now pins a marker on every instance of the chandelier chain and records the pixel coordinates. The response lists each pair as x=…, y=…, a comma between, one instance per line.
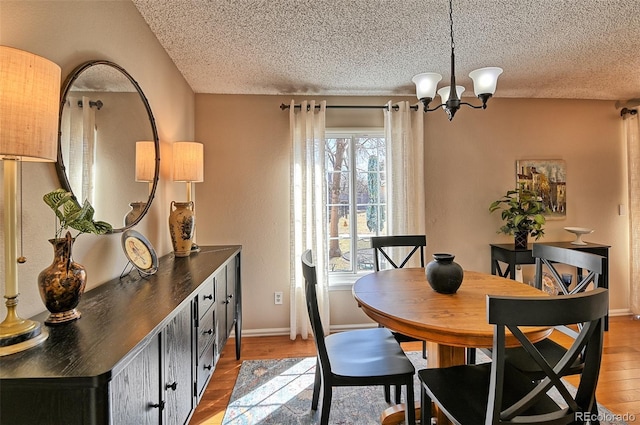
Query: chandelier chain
x=451, y=23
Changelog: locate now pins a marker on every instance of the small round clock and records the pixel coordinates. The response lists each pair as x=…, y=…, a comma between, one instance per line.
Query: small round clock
x=140, y=252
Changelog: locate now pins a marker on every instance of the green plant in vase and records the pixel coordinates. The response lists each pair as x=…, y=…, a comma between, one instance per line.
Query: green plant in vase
x=62, y=283
x=73, y=215
x=523, y=215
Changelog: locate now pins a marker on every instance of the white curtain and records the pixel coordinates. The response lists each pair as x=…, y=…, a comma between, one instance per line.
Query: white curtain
x=632, y=132
x=404, y=132
x=78, y=142
x=308, y=211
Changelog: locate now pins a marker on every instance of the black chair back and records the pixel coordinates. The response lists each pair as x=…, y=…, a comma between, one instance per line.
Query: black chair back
x=310, y=282
x=511, y=313
x=550, y=256
x=380, y=243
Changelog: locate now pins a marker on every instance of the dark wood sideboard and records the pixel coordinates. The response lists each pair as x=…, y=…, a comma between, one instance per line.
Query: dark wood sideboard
x=142, y=353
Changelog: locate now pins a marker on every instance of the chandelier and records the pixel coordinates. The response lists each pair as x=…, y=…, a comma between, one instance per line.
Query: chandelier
x=484, y=84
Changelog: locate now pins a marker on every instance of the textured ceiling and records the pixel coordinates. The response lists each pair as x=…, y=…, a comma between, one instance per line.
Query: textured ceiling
x=576, y=49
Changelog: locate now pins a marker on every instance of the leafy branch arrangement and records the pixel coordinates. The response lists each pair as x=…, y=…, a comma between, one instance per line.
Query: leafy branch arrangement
x=71, y=214
x=522, y=211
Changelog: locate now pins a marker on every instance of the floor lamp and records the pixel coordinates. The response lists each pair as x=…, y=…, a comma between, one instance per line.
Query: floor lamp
x=29, y=105
x=188, y=166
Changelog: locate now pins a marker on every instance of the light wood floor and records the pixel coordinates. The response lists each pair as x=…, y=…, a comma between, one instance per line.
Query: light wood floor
x=618, y=387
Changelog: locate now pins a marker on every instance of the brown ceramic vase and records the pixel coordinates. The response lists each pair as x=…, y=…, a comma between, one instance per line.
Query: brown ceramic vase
x=62, y=283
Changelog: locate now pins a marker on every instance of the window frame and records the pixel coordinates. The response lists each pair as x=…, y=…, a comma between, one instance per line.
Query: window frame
x=344, y=280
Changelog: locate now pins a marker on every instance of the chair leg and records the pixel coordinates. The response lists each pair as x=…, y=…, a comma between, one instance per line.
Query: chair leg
x=471, y=356
x=425, y=407
x=387, y=393
x=316, y=387
x=594, y=413
x=398, y=394
x=326, y=404
x=424, y=349
x=410, y=412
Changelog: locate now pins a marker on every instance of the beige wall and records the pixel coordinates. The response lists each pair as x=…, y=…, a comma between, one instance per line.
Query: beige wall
x=469, y=163
x=245, y=196
x=70, y=33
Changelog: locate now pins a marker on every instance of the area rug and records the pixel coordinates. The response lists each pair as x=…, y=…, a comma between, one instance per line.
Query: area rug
x=278, y=392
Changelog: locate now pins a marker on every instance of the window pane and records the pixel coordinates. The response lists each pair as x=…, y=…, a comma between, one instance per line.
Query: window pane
x=341, y=263
x=356, y=200
x=337, y=154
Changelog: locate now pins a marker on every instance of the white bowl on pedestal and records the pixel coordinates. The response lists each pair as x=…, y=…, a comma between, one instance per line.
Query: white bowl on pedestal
x=578, y=231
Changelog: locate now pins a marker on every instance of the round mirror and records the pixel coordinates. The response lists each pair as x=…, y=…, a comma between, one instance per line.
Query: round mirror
x=108, y=149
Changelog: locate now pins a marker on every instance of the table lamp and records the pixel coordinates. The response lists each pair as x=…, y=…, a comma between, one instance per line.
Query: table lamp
x=145, y=172
x=146, y=162
x=188, y=166
x=29, y=105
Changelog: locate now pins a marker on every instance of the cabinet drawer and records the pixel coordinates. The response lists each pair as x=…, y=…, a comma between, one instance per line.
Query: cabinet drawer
x=206, y=298
x=206, y=332
x=205, y=368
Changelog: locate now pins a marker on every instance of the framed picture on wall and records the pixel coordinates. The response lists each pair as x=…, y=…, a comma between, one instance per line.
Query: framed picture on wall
x=548, y=178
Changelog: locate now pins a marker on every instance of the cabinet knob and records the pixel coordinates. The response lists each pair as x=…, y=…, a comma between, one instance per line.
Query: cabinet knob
x=208, y=332
x=225, y=302
x=157, y=405
x=171, y=386
x=208, y=366
x=229, y=296
x=207, y=297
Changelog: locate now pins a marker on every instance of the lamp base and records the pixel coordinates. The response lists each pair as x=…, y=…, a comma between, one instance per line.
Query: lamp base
x=17, y=334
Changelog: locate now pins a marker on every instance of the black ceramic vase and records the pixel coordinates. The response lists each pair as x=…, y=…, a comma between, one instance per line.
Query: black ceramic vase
x=62, y=283
x=443, y=274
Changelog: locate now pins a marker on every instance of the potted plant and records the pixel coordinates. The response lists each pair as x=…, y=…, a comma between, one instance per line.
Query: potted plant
x=71, y=214
x=62, y=283
x=522, y=212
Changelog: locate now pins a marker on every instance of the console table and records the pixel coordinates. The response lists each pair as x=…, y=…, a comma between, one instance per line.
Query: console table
x=511, y=256
x=142, y=353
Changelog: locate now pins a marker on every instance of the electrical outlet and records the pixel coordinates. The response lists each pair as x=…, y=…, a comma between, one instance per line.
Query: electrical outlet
x=277, y=297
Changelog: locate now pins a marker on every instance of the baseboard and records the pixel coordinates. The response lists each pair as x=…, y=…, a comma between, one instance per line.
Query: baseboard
x=620, y=312
x=339, y=328
x=285, y=331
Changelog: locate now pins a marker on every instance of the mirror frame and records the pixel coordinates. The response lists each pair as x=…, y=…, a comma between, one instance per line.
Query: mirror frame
x=60, y=167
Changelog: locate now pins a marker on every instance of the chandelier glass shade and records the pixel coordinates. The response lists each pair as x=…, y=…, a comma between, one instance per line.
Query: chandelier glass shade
x=485, y=81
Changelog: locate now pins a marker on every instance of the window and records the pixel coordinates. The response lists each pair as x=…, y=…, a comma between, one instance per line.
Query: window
x=356, y=200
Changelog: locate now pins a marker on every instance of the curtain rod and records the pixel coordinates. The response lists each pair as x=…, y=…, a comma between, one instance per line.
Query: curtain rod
x=394, y=107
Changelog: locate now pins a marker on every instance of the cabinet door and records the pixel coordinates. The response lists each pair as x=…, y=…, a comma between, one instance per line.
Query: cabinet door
x=178, y=386
x=232, y=294
x=221, y=310
x=135, y=392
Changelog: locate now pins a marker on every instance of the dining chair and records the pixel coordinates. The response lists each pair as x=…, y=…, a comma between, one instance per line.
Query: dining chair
x=382, y=252
x=405, y=248
x=497, y=393
x=551, y=260
x=353, y=358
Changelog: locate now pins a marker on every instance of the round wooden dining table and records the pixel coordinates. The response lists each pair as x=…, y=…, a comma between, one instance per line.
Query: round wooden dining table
x=403, y=301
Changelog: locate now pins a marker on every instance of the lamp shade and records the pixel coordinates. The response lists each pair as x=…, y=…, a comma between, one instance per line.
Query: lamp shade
x=29, y=104
x=485, y=80
x=426, y=84
x=145, y=161
x=444, y=93
x=188, y=162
